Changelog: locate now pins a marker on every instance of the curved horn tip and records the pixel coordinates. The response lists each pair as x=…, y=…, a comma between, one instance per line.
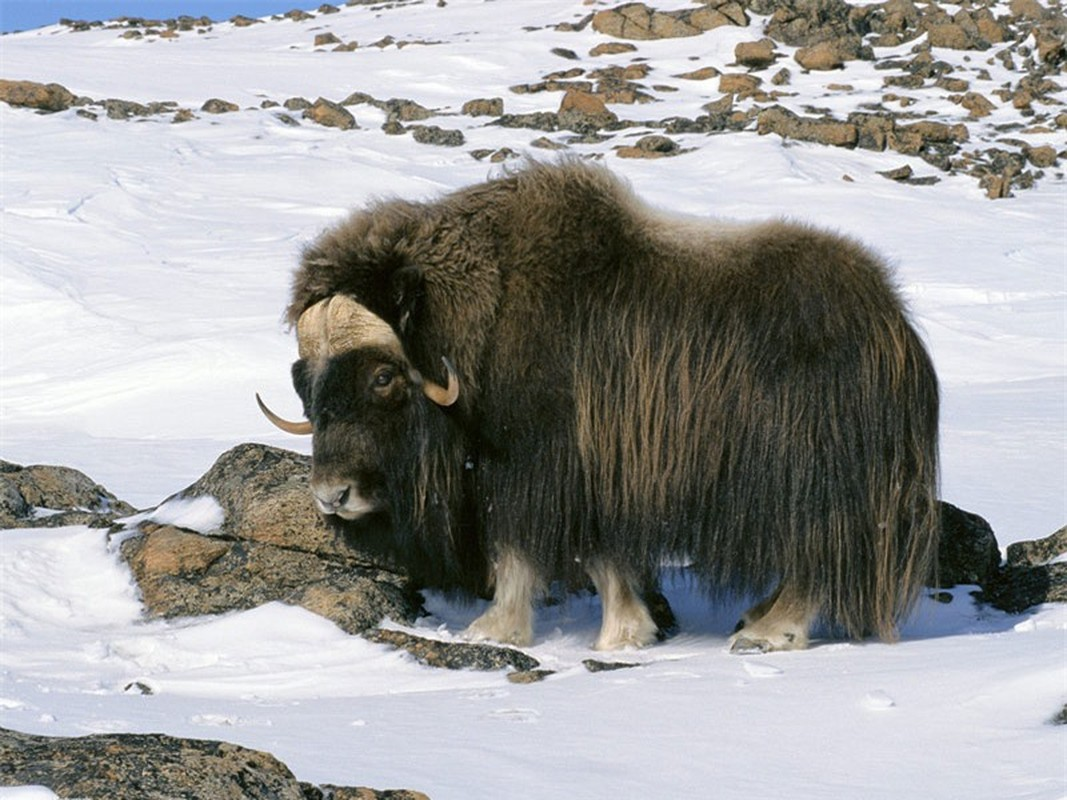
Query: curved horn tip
x=444, y=396
x=296, y=428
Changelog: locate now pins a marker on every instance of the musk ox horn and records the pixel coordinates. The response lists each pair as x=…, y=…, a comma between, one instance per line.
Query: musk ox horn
x=338, y=324
x=299, y=428
x=443, y=396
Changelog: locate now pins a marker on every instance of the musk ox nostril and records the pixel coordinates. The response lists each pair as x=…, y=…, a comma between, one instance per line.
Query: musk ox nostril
x=331, y=498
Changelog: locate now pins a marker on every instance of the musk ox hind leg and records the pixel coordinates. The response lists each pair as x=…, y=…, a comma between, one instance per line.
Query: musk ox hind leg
x=509, y=619
x=626, y=621
x=781, y=622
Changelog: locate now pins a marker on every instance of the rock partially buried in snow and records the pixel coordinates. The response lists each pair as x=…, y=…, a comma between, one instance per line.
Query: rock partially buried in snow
x=268, y=544
x=156, y=765
x=47, y=496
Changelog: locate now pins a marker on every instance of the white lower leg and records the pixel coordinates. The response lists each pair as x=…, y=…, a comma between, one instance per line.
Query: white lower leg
x=781, y=622
x=510, y=617
x=626, y=621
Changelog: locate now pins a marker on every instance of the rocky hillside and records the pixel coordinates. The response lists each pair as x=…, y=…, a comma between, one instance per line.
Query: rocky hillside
x=973, y=88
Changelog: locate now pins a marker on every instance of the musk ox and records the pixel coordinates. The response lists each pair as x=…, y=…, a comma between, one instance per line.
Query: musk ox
x=546, y=371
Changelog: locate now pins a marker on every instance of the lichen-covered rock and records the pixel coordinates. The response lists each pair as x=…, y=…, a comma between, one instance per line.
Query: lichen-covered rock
x=583, y=112
x=109, y=765
x=968, y=551
x=484, y=107
x=1038, y=552
x=48, y=97
x=330, y=114
x=639, y=21
x=788, y=125
x=271, y=545
x=47, y=496
x=456, y=655
x=218, y=106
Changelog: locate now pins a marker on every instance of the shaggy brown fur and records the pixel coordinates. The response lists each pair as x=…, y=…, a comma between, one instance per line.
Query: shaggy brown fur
x=637, y=387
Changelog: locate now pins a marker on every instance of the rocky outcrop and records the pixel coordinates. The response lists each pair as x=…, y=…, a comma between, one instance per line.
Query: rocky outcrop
x=271, y=545
x=47, y=97
x=638, y=21
x=1035, y=572
x=828, y=35
x=46, y=496
x=109, y=765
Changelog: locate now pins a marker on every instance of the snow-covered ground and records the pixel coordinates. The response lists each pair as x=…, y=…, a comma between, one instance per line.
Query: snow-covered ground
x=145, y=266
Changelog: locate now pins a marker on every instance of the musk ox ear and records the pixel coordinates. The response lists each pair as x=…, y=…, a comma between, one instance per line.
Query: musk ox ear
x=301, y=373
x=407, y=291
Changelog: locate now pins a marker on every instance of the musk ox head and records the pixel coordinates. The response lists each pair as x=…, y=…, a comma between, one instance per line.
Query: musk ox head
x=361, y=397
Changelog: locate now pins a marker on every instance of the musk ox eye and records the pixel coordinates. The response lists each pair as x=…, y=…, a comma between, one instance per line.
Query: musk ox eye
x=384, y=378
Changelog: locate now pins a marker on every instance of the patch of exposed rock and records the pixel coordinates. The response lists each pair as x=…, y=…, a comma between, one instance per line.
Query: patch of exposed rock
x=638, y=21
x=272, y=545
x=46, y=496
x=108, y=765
x=1033, y=574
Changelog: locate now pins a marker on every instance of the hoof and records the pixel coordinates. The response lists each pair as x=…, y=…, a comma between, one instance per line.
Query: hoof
x=744, y=646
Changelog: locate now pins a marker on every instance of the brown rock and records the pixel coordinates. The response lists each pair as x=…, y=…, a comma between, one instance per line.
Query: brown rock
x=788, y=125
x=1042, y=157
x=1038, y=552
x=651, y=146
x=323, y=39
x=217, y=106
x=612, y=49
x=1028, y=9
x=155, y=765
x=978, y=105
x=755, y=55
x=583, y=111
x=484, y=107
x=172, y=551
x=821, y=56
x=81, y=501
x=330, y=114
x=272, y=545
x=639, y=21
x=954, y=37
x=456, y=655
x=740, y=84
x=49, y=97
x=702, y=74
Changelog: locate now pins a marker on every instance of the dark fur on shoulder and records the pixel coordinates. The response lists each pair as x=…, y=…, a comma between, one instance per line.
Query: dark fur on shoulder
x=640, y=387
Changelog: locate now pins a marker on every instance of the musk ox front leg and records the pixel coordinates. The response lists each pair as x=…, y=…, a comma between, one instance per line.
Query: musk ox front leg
x=781, y=622
x=626, y=621
x=510, y=618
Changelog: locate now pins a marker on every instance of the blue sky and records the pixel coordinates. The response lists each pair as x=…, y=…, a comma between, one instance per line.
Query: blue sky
x=16, y=15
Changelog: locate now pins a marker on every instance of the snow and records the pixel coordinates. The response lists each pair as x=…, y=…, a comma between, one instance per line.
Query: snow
x=143, y=273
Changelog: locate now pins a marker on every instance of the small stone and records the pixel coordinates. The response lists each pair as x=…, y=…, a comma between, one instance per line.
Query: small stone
x=755, y=55
x=529, y=676
x=702, y=74
x=484, y=107
x=323, y=39
x=977, y=104
x=432, y=134
x=330, y=114
x=612, y=49
x=217, y=106
x=739, y=83
x=583, y=112
x=898, y=174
